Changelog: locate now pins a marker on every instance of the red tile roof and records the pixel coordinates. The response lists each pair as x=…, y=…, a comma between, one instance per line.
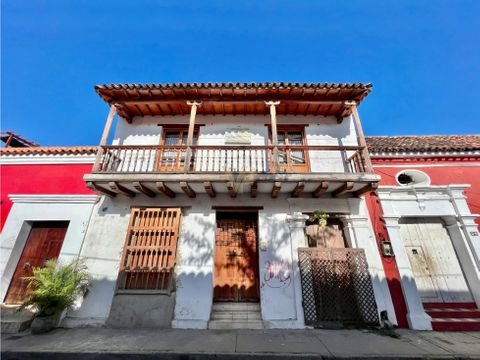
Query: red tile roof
x=50, y=150
x=431, y=143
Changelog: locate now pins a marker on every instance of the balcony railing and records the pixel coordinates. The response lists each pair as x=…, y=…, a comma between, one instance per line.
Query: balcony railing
x=222, y=159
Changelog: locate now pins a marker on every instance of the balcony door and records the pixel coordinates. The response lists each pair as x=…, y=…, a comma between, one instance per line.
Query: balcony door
x=290, y=160
x=171, y=157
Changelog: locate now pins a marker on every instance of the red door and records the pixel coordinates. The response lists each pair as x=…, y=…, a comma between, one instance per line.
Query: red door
x=236, y=261
x=43, y=243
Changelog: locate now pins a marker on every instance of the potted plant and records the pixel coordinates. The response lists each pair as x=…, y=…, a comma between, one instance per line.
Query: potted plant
x=55, y=289
x=320, y=234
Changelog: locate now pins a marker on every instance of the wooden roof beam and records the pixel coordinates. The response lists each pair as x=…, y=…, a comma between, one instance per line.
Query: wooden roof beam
x=343, y=189
x=237, y=100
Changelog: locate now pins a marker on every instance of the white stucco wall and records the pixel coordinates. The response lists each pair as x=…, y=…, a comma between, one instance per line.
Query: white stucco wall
x=319, y=130
x=280, y=289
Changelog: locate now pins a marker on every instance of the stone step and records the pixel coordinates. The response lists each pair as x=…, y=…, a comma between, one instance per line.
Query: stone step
x=236, y=315
x=12, y=324
x=233, y=325
x=456, y=324
x=231, y=307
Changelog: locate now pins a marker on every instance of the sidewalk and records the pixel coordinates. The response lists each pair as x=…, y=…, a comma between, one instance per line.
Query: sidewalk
x=100, y=343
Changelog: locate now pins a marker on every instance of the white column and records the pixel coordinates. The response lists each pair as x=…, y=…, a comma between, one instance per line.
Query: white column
x=361, y=236
x=273, y=116
x=191, y=128
x=296, y=223
x=417, y=318
x=465, y=255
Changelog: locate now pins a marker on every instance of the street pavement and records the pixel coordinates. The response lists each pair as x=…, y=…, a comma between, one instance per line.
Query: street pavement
x=103, y=343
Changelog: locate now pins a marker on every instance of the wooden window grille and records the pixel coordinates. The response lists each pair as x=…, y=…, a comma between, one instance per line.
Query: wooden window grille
x=148, y=258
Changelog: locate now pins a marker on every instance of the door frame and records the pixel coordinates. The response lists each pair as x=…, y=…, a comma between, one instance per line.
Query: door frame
x=29, y=208
x=433, y=276
x=305, y=168
x=62, y=224
x=178, y=162
x=239, y=210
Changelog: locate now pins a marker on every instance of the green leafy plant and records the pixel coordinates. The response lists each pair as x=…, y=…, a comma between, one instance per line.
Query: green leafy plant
x=319, y=217
x=56, y=286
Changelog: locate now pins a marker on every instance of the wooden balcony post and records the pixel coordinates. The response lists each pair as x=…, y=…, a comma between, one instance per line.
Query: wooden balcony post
x=273, y=116
x=191, y=127
x=103, y=140
x=361, y=135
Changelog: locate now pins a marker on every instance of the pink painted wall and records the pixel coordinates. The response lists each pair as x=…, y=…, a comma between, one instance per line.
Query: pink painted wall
x=41, y=179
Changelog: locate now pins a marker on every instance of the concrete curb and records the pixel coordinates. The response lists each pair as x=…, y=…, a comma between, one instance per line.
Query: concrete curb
x=44, y=355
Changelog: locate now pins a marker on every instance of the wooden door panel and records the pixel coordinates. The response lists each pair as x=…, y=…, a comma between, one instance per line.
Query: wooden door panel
x=236, y=261
x=43, y=243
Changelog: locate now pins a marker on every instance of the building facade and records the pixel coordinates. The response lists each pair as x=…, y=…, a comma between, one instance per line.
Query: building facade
x=207, y=188
x=204, y=209
x=425, y=212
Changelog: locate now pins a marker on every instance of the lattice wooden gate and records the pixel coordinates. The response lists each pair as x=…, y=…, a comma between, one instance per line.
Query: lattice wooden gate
x=336, y=287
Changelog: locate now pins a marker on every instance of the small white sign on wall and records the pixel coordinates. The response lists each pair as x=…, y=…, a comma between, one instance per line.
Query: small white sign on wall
x=238, y=136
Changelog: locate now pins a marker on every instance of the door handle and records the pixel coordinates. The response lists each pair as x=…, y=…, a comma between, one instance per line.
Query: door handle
x=26, y=266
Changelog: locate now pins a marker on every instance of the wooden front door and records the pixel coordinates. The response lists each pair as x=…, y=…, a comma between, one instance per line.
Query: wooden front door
x=435, y=265
x=43, y=243
x=236, y=261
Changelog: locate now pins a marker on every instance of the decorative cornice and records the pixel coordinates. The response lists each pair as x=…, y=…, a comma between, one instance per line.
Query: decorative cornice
x=424, y=154
x=53, y=199
x=47, y=159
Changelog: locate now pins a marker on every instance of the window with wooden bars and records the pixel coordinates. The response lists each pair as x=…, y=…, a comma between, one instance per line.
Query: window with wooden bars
x=148, y=258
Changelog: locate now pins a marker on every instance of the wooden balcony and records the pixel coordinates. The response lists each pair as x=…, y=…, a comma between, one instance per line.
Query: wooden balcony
x=150, y=170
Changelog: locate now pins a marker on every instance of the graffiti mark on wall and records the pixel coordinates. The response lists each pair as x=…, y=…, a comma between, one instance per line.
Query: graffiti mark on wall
x=277, y=274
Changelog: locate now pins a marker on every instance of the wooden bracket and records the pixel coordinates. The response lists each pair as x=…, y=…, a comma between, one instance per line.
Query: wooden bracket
x=276, y=189
x=253, y=189
x=165, y=189
x=209, y=189
x=231, y=189
x=94, y=187
x=143, y=189
x=298, y=189
x=343, y=189
x=116, y=187
x=323, y=187
x=367, y=188
x=187, y=189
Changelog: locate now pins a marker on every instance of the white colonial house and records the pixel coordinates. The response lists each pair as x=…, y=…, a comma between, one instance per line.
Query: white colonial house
x=206, y=194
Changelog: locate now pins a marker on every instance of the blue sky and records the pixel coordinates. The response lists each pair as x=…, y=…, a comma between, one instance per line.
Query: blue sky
x=423, y=57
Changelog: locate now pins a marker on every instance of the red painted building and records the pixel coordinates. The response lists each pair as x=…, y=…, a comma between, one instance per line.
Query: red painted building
x=43, y=170
x=419, y=178
x=45, y=209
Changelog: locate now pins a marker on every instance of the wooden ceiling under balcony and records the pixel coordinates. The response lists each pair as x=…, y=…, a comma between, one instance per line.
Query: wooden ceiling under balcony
x=321, y=99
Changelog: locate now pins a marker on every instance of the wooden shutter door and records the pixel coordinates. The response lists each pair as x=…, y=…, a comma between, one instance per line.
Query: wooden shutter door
x=149, y=254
